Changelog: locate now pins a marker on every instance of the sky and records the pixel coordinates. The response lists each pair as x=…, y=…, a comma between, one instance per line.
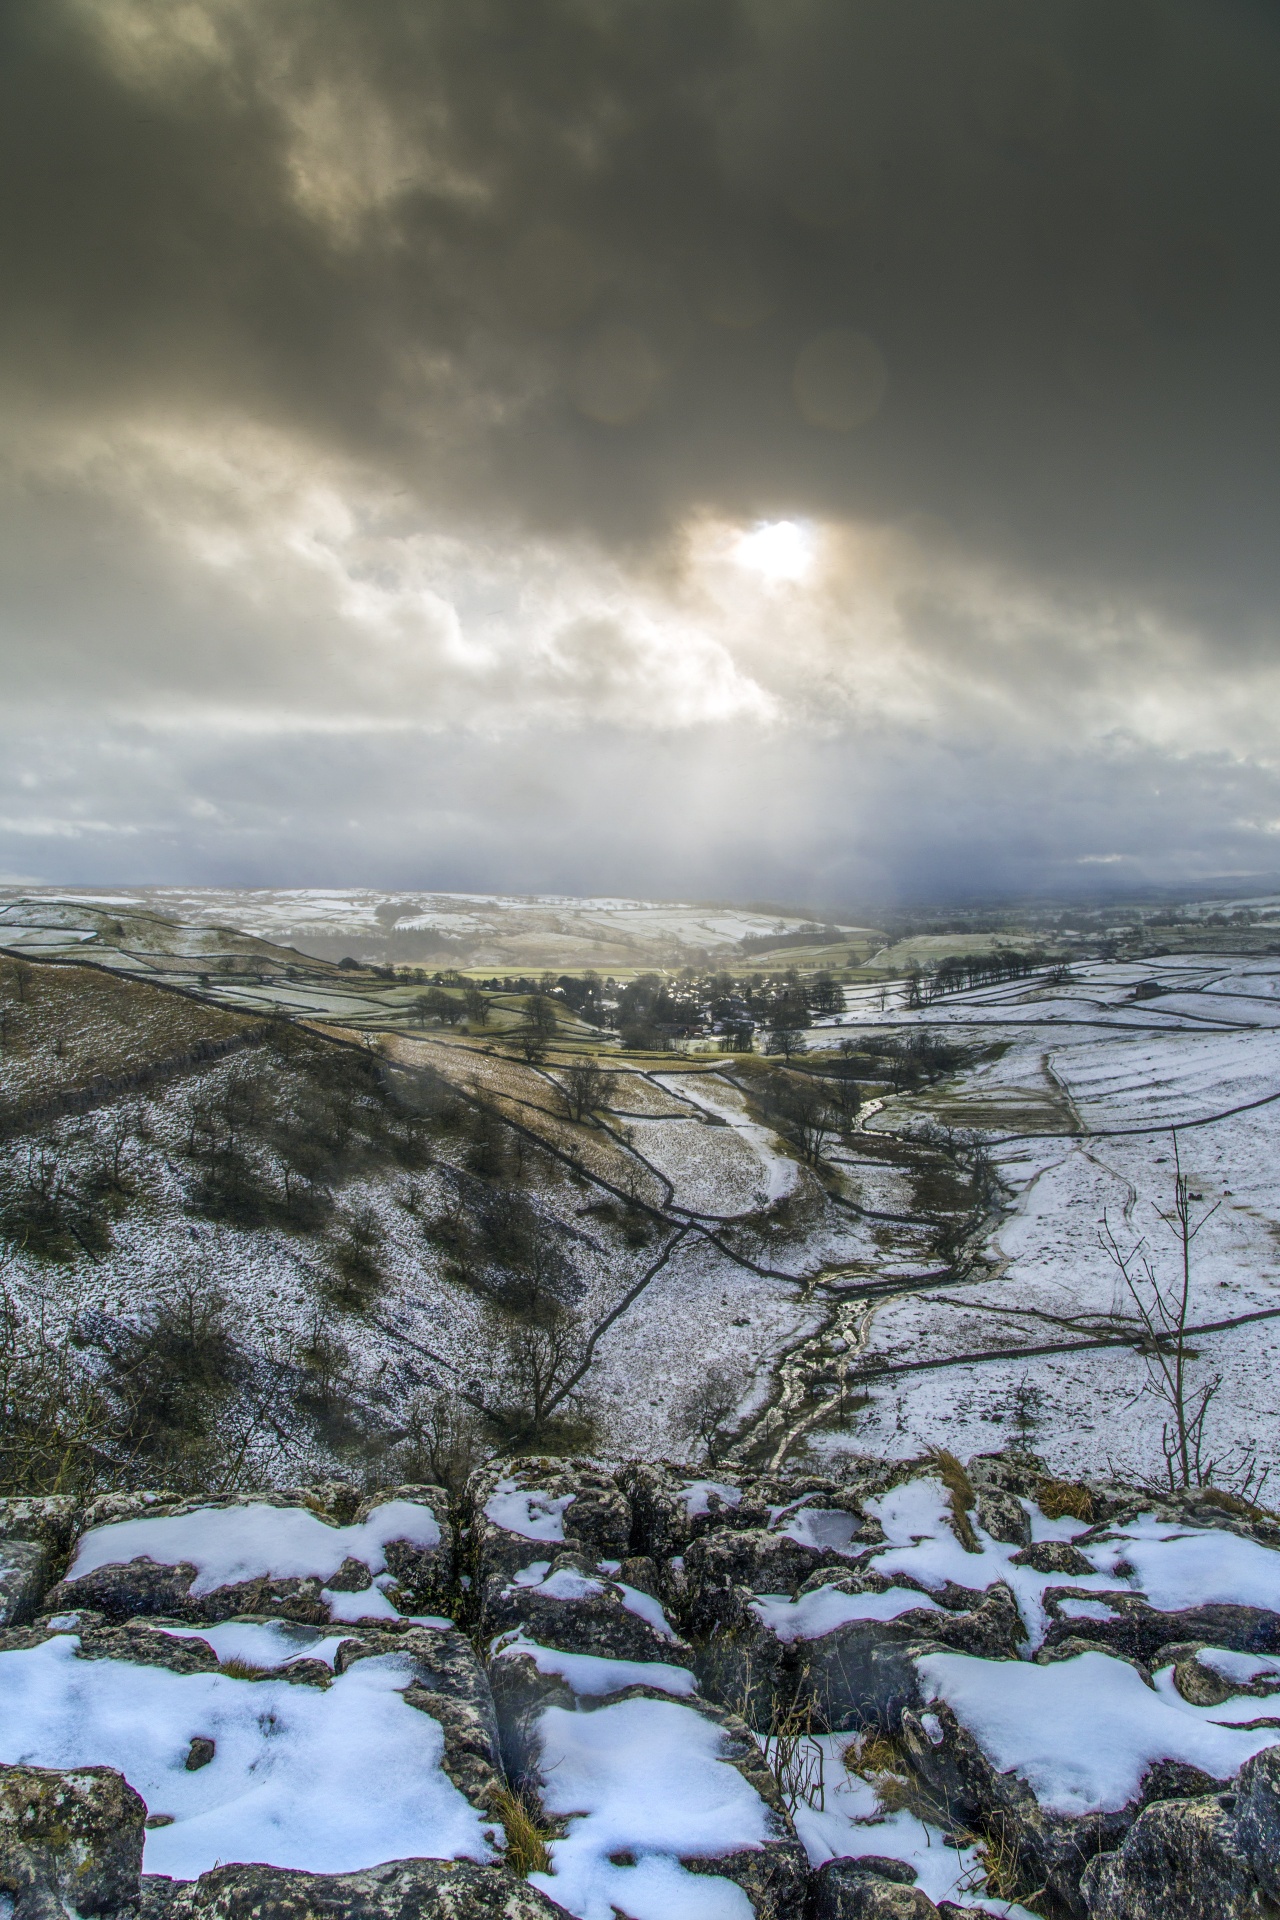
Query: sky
x=814, y=450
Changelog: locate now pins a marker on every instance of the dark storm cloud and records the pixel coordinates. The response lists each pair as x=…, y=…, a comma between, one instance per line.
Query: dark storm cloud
x=571, y=257
x=849, y=822
x=385, y=386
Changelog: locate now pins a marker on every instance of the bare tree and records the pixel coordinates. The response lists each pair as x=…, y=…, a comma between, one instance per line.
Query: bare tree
x=839, y=1073
x=539, y=1028
x=799, y=1105
x=786, y=1034
x=535, y=1368
x=703, y=1411
x=477, y=1005
x=442, y=1443
x=587, y=1087
x=1161, y=1309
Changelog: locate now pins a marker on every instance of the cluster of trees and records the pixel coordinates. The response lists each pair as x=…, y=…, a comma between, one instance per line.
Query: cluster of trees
x=962, y=970
x=447, y=1009
x=650, y=1012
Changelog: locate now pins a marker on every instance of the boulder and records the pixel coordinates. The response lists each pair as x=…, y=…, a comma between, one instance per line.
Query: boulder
x=863, y=1674
x=70, y=1842
x=1133, y=1626
x=141, y=1587
x=1004, y=1517
x=1054, y=1556
x=397, y=1890
x=1212, y=1858
x=756, y=1561
x=866, y=1888
x=671, y=1507
x=426, y=1577
x=1179, y=1857
x=536, y=1509
x=581, y=1611
x=51, y=1519
x=24, y=1574
x=1047, y=1849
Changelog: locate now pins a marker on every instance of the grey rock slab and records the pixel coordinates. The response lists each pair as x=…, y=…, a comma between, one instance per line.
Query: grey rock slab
x=397, y=1890
x=1051, y=1850
x=1004, y=1517
x=24, y=1573
x=597, y=1622
x=447, y=1682
x=70, y=1842
x=142, y=1644
x=756, y=1559
x=425, y=1576
x=863, y=1673
x=595, y=1521
x=140, y=1587
x=1141, y=1630
x=1180, y=1857
x=843, y=1890
x=51, y=1519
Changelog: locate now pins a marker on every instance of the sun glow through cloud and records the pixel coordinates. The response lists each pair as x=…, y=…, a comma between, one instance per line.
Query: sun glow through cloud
x=777, y=550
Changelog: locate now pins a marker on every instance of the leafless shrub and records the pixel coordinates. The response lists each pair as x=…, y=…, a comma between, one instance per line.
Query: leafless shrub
x=1160, y=1317
x=537, y=1369
x=587, y=1087
x=57, y=1430
x=702, y=1413
x=443, y=1441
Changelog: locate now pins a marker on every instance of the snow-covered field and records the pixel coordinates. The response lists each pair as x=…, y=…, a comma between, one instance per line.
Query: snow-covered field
x=502, y=930
x=1077, y=1102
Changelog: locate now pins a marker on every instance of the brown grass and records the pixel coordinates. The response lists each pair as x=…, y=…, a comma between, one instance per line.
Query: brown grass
x=65, y=1026
x=871, y=1754
x=960, y=1496
x=526, y=1849
x=1064, y=1499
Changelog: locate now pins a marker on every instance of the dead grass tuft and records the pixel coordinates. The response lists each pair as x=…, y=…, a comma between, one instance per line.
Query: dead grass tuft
x=960, y=1496
x=870, y=1755
x=1064, y=1499
x=526, y=1850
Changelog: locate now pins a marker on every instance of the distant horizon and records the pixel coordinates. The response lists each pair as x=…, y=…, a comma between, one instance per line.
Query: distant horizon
x=1222, y=888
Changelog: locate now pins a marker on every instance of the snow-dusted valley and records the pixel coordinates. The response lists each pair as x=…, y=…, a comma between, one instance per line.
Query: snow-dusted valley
x=342, y=1301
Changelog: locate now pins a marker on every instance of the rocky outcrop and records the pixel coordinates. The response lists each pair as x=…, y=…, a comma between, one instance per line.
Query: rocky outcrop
x=398, y=1890
x=868, y=1887
x=423, y=1577
x=50, y=1519
x=24, y=1574
x=1138, y=1629
x=863, y=1674
x=582, y=1611
x=1049, y=1850
x=535, y=1509
x=143, y=1644
x=140, y=1587
x=70, y=1843
x=1216, y=1857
